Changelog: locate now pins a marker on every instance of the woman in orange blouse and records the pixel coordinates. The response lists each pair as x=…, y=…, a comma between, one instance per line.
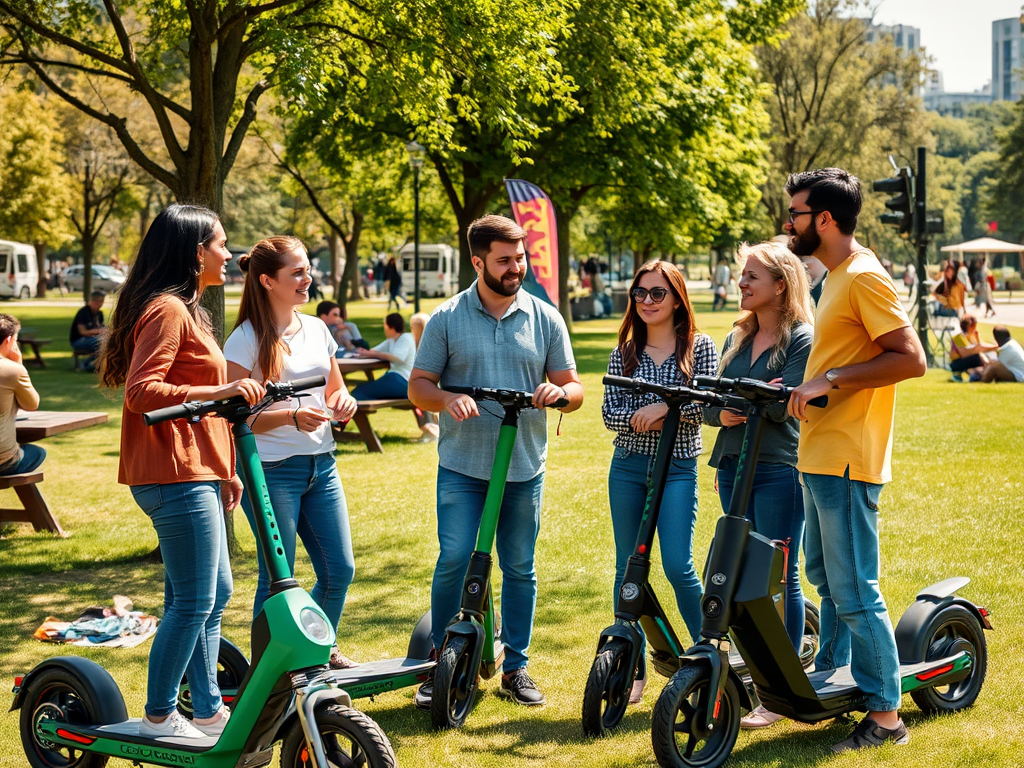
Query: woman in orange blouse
x=162, y=350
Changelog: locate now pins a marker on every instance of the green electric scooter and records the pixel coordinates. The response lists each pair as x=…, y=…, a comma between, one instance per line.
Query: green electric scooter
x=467, y=654
x=73, y=714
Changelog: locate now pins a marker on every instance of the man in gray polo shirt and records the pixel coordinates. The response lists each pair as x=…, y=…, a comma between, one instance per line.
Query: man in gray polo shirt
x=492, y=335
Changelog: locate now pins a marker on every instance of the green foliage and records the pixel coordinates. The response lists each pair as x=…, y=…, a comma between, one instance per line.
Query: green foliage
x=34, y=190
x=1002, y=198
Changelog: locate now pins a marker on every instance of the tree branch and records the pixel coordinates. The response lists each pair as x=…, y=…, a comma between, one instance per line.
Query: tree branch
x=242, y=126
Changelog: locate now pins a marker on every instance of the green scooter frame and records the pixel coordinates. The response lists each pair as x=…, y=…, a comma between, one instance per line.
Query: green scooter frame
x=73, y=714
x=467, y=654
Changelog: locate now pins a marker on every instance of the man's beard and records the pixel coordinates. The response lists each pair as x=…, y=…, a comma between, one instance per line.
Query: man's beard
x=807, y=243
x=499, y=286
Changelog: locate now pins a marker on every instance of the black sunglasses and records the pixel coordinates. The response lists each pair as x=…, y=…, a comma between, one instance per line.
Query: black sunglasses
x=793, y=214
x=657, y=295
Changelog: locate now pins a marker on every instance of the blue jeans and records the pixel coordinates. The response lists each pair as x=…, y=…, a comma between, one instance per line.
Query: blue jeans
x=308, y=500
x=776, y=510
x=390, y=386
x=87, y=344
x=29, y=457
x=842, y=561
x=189, y=521
x=627, y=496
x=460, y=505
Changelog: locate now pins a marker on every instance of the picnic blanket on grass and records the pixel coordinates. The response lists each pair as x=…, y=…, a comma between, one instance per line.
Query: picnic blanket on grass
x=117, y=627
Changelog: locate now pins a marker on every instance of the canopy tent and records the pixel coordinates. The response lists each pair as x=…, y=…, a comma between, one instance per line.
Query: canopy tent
x=989, y=245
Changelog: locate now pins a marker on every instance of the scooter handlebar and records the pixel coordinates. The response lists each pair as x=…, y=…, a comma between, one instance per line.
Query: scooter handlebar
x=669, y=392
x=753, y=389
x=276, y=391
x=503, y=396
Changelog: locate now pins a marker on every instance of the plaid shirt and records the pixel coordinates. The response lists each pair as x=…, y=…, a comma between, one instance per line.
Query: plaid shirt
x=620, y=404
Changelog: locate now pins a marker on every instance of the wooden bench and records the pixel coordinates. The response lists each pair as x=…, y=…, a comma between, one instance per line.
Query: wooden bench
x=35, y=510
x=35, y=344
x=80, y=356
x=362, y=422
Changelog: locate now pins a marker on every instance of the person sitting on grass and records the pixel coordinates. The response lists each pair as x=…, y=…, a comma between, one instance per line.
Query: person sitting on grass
x=966, y=352
x=87, y=328
x=1009, y=365
x=346, y=334
x=16, y=391
x=399, y=349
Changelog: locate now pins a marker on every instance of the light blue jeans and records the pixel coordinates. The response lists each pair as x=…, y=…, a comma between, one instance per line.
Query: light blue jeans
x=842, y=561
x=390, y=386
x=460, y=505
x=776, y=510
x=189, y=521
x=627, y=496
x=308, y=500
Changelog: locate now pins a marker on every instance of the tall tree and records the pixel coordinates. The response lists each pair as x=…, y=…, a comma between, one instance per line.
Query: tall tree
x=1004, y=193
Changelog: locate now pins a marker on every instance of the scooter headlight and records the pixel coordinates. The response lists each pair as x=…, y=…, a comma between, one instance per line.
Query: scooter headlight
x=315, y=625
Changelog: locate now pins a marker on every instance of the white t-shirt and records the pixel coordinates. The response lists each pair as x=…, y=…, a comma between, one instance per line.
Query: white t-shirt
x=1011, y=354
x=309, y=352
x=404, y=348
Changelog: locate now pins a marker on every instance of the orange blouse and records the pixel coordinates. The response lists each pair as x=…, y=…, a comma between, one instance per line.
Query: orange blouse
x=172, y=352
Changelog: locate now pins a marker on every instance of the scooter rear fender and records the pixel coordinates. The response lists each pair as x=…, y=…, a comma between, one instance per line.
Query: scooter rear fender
x=914, y=621
x=420, y=644
x=95, y=680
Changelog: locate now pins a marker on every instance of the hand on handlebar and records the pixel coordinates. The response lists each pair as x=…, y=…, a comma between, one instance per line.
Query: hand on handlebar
x=461, y=407
x=546, y=394
x=650, y=418
x=806, y=392
x=732, y=419
x=250, y=389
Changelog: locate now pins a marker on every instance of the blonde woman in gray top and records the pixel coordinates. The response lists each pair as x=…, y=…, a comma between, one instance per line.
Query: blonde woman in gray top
x=16, y=391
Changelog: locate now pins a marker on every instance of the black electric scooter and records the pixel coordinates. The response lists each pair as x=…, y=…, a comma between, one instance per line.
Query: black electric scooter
x=942, y=648
x=619, y=659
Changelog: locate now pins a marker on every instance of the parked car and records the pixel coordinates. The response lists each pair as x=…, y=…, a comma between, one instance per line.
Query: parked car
x=18, y=270
x=104, y=278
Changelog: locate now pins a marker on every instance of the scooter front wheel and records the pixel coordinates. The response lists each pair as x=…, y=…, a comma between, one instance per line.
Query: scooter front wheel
x=676, y=731
x=608, y=689
x=455, y=684
x=57, y=695
x=951, y=630
x=349, y=737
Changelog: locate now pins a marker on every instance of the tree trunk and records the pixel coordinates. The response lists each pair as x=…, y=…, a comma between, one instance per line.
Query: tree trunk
x=334, y=246
x=41, y=270
x=350, y=277
x=88, y=248
x=563, y=217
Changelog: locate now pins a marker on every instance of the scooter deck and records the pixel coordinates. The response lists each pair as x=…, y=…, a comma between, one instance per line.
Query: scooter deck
x=375, y=677
x=128, y=730
x=838, y=682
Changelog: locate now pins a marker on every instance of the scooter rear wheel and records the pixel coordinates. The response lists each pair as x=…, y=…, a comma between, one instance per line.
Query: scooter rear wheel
x=949, y=631
x=350, y=738
x=232, y=667
x=58, y=695
x=608, y=689
x=455, y=685
x=675, y=730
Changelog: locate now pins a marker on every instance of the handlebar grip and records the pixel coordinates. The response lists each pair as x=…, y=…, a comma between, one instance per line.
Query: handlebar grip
x=559, y=403
x=297, y=385
x=183, y=411
x=619, y=381
x=471, y=391
x=819, y=402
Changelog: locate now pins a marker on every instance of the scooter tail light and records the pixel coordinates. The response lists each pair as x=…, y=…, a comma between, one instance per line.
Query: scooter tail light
x=925, y=676
x=17, y=683
x=985, y=622
x=76, y=737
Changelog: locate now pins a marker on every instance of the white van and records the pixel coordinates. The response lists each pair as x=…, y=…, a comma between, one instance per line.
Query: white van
x=439, y=270
x=19, y=274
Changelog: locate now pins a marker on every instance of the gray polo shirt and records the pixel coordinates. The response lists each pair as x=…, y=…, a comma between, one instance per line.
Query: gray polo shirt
x=467, y=347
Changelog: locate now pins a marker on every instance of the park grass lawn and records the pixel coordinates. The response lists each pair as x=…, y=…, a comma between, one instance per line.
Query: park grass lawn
x=954, y=508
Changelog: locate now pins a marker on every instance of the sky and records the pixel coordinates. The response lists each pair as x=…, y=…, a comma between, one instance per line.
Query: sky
x=957, y=34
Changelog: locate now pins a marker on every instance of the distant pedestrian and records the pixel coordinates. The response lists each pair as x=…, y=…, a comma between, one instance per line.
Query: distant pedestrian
x=720, y=281
x=394, y=280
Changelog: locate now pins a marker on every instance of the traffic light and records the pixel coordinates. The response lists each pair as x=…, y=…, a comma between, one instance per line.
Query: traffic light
x=935, y=223
x=902, y=205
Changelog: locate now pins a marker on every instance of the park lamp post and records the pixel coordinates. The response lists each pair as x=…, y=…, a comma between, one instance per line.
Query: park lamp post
x=416, y=153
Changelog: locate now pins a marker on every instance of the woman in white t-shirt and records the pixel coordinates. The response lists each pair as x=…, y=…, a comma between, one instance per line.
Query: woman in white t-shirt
x=399, y=349
x=272, y=341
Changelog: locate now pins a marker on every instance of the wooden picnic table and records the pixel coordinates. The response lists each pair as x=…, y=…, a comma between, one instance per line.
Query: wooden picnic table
x=364, y=365
x=35, y=345
x=30, y=427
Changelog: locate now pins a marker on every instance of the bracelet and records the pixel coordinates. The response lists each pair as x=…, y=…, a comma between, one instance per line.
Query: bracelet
x=295, y=420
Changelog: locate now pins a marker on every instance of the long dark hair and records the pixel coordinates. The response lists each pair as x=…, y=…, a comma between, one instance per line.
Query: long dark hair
x=167, y=263
x=267, y=257
x=633, y=333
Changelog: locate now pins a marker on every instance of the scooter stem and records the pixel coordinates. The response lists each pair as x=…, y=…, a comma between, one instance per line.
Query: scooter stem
x=496, y=486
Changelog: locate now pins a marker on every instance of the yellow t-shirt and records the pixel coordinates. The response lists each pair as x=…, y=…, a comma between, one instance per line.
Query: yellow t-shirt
x=854, y=430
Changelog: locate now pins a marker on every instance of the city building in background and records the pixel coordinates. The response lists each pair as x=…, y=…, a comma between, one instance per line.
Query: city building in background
x=1007, y=60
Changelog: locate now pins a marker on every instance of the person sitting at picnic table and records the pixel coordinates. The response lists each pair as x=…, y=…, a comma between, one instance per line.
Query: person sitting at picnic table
x=949, y=292
x=87, y=328
x=346, y=334
x=16, y=391
x=399, y=349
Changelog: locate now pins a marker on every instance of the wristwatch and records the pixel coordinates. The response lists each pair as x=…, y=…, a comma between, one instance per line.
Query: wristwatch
x=832, y=374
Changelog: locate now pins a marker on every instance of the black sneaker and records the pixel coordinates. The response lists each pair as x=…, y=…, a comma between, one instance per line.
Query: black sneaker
x=868, y=733
x=518, y=686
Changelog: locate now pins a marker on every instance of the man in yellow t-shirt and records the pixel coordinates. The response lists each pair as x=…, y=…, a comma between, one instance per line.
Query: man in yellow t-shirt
x=863, y=345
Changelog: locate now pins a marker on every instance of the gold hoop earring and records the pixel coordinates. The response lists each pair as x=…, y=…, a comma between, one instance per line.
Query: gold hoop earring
x=202, y=267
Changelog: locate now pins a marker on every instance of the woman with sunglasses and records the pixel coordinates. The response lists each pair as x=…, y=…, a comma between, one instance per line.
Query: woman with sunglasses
x=659, y=342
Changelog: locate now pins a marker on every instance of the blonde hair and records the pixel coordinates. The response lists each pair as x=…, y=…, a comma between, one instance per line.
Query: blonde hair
x=786, y=268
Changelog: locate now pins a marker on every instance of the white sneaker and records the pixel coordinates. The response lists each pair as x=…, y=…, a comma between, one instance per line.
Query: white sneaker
x=174, y=726
x=216, y=728
x=760, y=718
